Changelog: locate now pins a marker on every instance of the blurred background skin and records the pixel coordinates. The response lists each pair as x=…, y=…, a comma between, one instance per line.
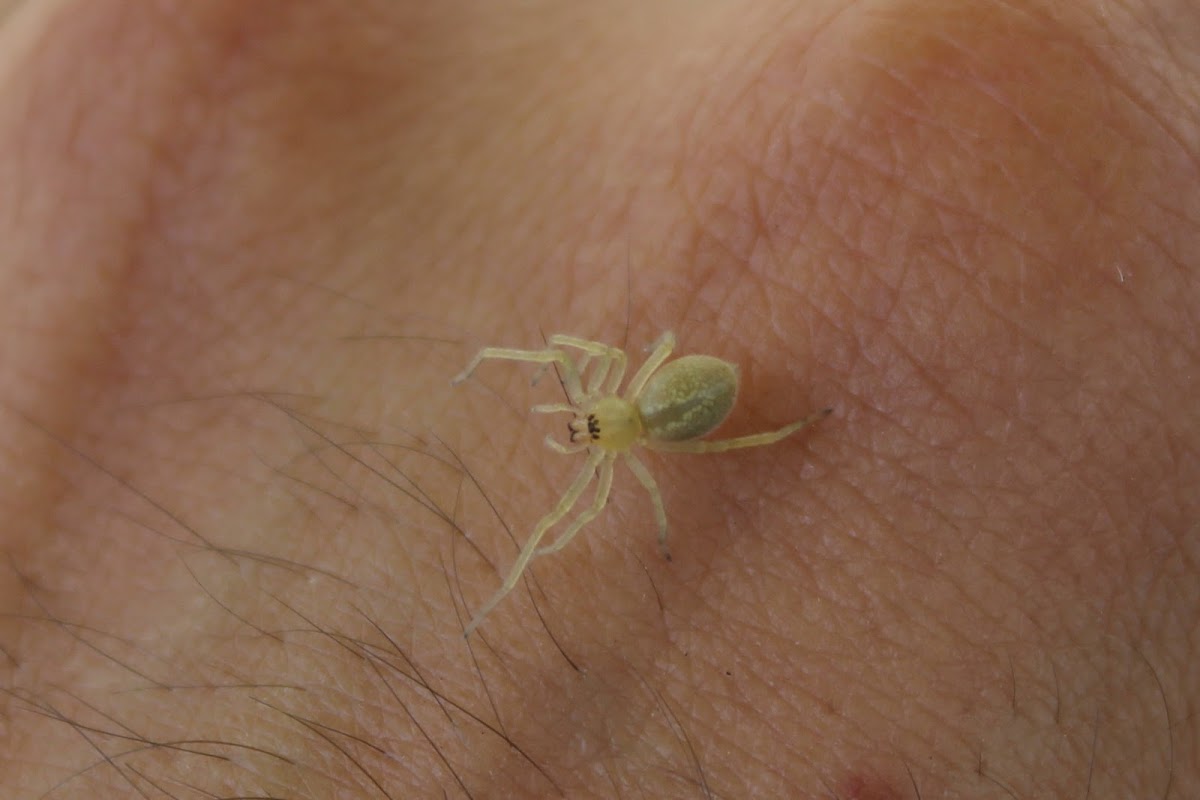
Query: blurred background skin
x=244, y=517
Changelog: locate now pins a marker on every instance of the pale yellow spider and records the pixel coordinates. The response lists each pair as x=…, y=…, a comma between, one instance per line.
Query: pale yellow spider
x=663, y=408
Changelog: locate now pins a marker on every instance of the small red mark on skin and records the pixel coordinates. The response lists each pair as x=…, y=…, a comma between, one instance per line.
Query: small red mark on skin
x=868, y=787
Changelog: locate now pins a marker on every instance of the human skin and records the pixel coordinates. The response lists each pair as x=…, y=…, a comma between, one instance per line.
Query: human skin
x=245, y=517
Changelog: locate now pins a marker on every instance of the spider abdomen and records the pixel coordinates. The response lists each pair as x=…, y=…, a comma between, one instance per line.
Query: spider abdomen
x=687, y=398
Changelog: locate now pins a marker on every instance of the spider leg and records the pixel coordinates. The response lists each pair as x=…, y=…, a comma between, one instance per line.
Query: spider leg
x=586, y=345
x=580, y=367
x=554, y=408
x=603, y=365
x=617, y=375
x=548, y=356
x=565, y=449
x=752, y=440
x=564, y=506
x=660, y=512
x=601, y=499
x=611, y=356
x=662, y=348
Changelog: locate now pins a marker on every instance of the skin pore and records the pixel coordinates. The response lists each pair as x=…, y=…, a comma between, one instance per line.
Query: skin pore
x=245, y=517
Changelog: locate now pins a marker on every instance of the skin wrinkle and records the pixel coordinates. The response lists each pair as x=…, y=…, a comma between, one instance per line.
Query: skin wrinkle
x=516, y=649
x=1113, y=77
x=829, y=593
x=980, y=225
x=55, y=355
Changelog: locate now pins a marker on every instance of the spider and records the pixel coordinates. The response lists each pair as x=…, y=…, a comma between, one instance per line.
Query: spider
x=664, y=407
